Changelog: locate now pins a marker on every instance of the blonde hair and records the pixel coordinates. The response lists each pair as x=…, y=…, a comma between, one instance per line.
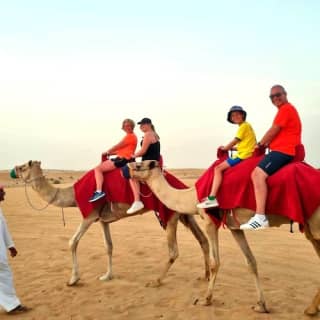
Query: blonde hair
x=131, y=122
x=154, y=130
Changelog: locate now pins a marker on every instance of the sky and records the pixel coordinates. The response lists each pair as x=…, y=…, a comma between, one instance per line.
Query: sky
x=71, y=71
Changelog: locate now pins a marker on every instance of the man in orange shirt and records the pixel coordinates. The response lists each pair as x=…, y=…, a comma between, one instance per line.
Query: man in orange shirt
x=123, y=152
x=282, y=139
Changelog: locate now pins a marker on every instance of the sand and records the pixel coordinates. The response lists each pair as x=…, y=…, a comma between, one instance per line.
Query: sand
x=288, y=266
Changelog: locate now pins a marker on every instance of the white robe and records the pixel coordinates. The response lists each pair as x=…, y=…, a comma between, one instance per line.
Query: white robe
x=8, y=297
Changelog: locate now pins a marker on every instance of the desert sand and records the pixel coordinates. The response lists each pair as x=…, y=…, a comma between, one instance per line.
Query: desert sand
x=288, y=266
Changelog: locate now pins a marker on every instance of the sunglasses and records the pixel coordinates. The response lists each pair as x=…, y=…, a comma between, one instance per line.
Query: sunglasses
x=276, y=95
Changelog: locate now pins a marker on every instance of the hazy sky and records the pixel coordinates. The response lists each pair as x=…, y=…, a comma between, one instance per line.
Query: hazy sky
x=71, y=71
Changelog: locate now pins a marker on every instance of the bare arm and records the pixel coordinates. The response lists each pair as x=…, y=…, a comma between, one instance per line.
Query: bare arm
x=270, y=135
x=230, y=145
x=114, y=149
x=147, y=140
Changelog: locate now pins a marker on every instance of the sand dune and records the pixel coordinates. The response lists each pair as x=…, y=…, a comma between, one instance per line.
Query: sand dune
x=288, y=267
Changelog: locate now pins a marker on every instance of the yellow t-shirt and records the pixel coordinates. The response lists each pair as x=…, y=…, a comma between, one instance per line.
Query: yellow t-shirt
x=247, y=137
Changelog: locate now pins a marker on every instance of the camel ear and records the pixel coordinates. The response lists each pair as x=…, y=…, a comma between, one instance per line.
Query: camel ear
x=30, y=163
x=152, y=164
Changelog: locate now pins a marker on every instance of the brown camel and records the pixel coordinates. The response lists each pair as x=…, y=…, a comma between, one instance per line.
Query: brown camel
x=185, y=201
x=31, y=173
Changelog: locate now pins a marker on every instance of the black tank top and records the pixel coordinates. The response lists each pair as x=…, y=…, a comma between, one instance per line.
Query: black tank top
x=153, y=152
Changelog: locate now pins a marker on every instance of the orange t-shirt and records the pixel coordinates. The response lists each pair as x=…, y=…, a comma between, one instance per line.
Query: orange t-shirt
x=287, y=118
x=129, y=146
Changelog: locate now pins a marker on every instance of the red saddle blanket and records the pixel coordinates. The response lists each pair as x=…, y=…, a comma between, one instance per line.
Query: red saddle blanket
x=117, y=189
x=293, y=191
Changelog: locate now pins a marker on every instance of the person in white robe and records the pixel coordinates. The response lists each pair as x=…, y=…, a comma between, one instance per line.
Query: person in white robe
x=8, y=298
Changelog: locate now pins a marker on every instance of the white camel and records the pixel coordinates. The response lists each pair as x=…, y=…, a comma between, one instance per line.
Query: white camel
x=31, y=173
x=185, y=201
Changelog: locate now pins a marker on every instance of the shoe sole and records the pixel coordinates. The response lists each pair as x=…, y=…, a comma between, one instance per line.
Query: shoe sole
x=96, y=199
x=253, y=229
x=135, y=211
x=207, y=207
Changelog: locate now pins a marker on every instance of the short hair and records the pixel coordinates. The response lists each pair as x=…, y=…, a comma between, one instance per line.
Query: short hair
x=131, y=122
x=280, y=87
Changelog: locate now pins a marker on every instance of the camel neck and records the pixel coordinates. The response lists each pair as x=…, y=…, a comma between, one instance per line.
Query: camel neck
x=179, y=200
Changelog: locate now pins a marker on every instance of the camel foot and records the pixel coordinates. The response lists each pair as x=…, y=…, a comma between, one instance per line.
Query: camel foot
x=106, y=277
x=260, y=307
x=205, y=278
x=205, y=303
x=73, y=281
x=154, y=284
x=311, y=310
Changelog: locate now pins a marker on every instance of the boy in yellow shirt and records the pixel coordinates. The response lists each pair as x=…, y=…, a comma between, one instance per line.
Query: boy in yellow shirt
x=245, y=142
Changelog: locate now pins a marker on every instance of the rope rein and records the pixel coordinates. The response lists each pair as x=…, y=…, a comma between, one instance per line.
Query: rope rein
x=26, y=182
x=149, y=194
x=145, y=195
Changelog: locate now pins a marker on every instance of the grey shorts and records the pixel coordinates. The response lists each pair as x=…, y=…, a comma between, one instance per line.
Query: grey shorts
x=273, y=161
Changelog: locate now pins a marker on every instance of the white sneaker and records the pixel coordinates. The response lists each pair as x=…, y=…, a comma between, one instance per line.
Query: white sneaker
x=207, y=203
x=136, y=206
x=255, y=224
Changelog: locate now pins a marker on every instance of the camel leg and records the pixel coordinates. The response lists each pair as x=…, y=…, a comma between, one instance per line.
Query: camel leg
x=173, y=250
x=212, y=233
x=314, y=306
x=73, y=244
x=190, y=222
x=108, y=243
x=241, y=239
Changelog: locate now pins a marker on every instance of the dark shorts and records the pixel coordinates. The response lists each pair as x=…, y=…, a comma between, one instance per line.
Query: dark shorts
x=273, y=161
x=121, y=162
x=232, y=162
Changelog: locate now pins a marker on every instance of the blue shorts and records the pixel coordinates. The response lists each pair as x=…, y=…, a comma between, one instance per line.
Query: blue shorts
x=233, y=162
x=273, y=161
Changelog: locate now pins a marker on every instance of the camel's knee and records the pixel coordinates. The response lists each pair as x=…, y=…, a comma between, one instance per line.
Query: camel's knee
x=73, y=244
x=214, y=266
x=173, y=257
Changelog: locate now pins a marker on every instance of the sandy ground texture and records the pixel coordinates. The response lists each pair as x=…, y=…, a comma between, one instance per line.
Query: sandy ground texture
x=289, y=268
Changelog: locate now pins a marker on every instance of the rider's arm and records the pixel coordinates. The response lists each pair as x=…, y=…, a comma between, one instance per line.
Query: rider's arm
x=116, y=147
x=147, y=140
x=230, y=145
x=270, y=135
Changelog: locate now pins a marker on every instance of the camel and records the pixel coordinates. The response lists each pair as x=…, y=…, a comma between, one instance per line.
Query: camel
x=31, y=173
x=185, y=201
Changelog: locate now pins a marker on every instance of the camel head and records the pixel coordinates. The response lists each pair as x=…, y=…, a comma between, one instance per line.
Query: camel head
x=142, y=170
x=28, y=171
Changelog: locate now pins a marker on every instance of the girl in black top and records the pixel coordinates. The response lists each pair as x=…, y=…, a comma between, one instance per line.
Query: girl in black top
x=150, y=150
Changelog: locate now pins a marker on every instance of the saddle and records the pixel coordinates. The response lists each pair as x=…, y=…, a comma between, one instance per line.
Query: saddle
x=293, y=190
